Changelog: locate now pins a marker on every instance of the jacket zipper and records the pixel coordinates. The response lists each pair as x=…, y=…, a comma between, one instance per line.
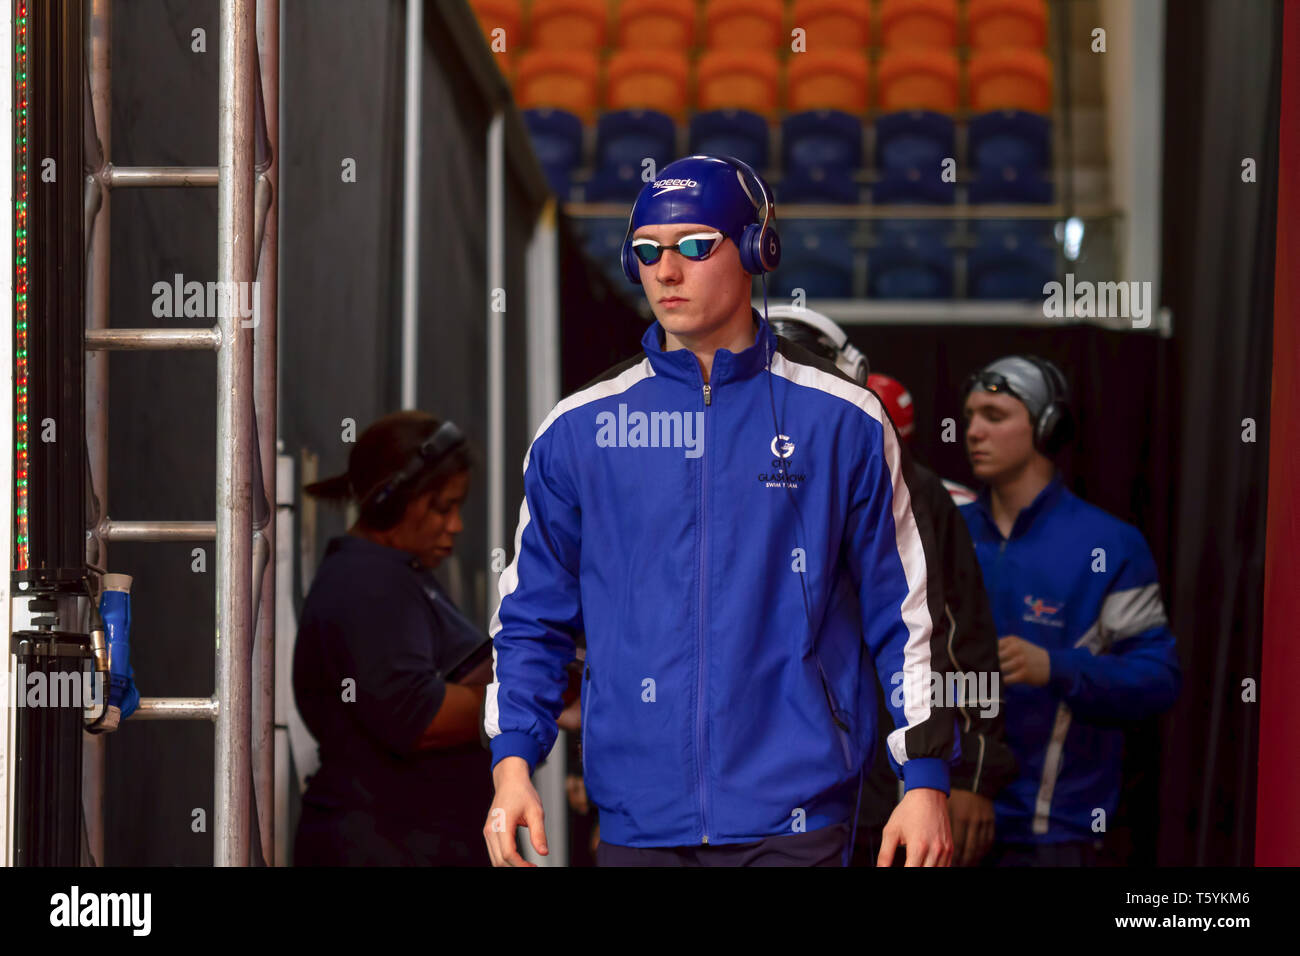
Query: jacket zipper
x=699, y=692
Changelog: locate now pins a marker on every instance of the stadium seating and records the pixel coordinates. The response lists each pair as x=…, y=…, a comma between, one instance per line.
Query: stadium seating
x=918, y=23
x=912, y=261
x=557, y=141
x=820, y=138
x=1009, y=78
x=656, y=25
x=1009, y=138
x=647, y=79
x=611, y=88
x=914, y=139
x=1003, y=23
x=737, y=79
x=632, y=136
x=832, y=79
x=817, y=257
x=818, y=184
x=737, y=133
x=1011, y=260
x=558, y=79
x=747, y=25
x=917, y=78
x=832, y=23
x=567, y=24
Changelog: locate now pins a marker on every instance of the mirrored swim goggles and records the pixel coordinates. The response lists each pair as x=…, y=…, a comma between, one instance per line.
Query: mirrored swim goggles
x=994, y=382
x=697, y=247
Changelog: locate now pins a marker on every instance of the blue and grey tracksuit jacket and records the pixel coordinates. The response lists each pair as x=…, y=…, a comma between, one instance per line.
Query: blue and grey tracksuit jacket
x=1082, y=584
x=725, y=548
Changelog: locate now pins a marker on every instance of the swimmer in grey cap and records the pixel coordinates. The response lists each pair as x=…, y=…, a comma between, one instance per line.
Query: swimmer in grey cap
x=1003, y=442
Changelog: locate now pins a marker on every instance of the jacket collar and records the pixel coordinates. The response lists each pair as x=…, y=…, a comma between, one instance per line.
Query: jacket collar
x=382, y=552
x=728, y=366
x=1042, y=503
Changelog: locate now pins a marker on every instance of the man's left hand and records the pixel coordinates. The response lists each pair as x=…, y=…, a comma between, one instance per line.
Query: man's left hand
x=920, y=823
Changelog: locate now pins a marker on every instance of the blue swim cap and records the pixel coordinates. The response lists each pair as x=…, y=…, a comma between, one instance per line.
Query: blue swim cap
x=722, y=193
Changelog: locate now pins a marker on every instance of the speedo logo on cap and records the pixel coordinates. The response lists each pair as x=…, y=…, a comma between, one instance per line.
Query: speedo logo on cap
x=662, y=186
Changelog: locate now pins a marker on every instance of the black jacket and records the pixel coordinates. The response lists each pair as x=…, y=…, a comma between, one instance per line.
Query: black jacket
x=986, y=764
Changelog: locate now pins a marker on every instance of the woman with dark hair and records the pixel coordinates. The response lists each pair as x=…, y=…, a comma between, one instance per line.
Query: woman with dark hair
x=387, y=673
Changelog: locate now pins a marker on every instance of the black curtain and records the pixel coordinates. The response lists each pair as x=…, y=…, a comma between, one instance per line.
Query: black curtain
x=1222, y=106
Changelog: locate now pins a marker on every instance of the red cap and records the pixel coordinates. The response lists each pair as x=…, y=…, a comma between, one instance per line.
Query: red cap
x=898, y=402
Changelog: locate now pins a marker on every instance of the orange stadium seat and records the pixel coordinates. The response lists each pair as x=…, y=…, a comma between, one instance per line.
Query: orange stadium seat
x=656, y=24
x=1010, y=78
x=917, y=78
x=506, y=14
x=567, y=24
x=827, y=80
x=833, y=23
x=737, y=79
x=749, y=24
x=558, y=79
x=907, y=23
x=995, y=23
x=647, y=79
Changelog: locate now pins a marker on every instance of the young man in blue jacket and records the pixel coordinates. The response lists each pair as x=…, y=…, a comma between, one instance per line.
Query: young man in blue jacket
x=1084, y=644
x=728, y=519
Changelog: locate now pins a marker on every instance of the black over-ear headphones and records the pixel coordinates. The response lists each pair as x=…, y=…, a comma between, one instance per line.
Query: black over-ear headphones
x=385, y=504
x=1055, y=424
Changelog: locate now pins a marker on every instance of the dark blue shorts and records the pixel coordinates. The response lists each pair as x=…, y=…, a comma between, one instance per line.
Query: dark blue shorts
x=824, y=847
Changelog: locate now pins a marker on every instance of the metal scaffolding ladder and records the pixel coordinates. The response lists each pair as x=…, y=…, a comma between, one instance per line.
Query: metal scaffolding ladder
x=241, y=707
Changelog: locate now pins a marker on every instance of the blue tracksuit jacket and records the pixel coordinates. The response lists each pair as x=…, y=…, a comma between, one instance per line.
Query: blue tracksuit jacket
x=1082, y=584
x=678, y=527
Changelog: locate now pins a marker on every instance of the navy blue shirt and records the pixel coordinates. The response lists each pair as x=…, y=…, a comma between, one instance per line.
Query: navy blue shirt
x=377, y=617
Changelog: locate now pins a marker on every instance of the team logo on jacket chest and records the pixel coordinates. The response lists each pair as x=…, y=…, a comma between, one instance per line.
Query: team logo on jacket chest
x=1038, y=611
x=782, y=473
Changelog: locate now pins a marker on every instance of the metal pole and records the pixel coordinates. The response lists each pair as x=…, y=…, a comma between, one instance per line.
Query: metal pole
x=231, y=837
x=265, y=371
x=110, y=530
x=411, y=202
x=176, y=708
x=496, y=351
x=94, y=767
x=122, y=177
x=120, y=340
x=542, y=321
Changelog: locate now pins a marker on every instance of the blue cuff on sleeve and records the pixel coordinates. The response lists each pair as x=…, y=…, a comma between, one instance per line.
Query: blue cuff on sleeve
x=1064, y=668
x=515, y=744
x=927, y=772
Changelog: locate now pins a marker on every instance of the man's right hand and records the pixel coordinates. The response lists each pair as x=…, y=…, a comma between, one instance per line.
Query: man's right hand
x=516, y=804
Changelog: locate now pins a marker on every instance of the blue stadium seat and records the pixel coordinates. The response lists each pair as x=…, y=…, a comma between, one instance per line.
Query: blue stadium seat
x=912, y=261
x=737, y=133
x=557, y=141
x=914, y=139
x=633, y=136
x=816, y=256
x=821, y=138
x=1010, y=138
x=1011, y=259
x=1010, y=184
x=603, y=241
x=913, y=185
x=616, y=183
x=821, y=184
